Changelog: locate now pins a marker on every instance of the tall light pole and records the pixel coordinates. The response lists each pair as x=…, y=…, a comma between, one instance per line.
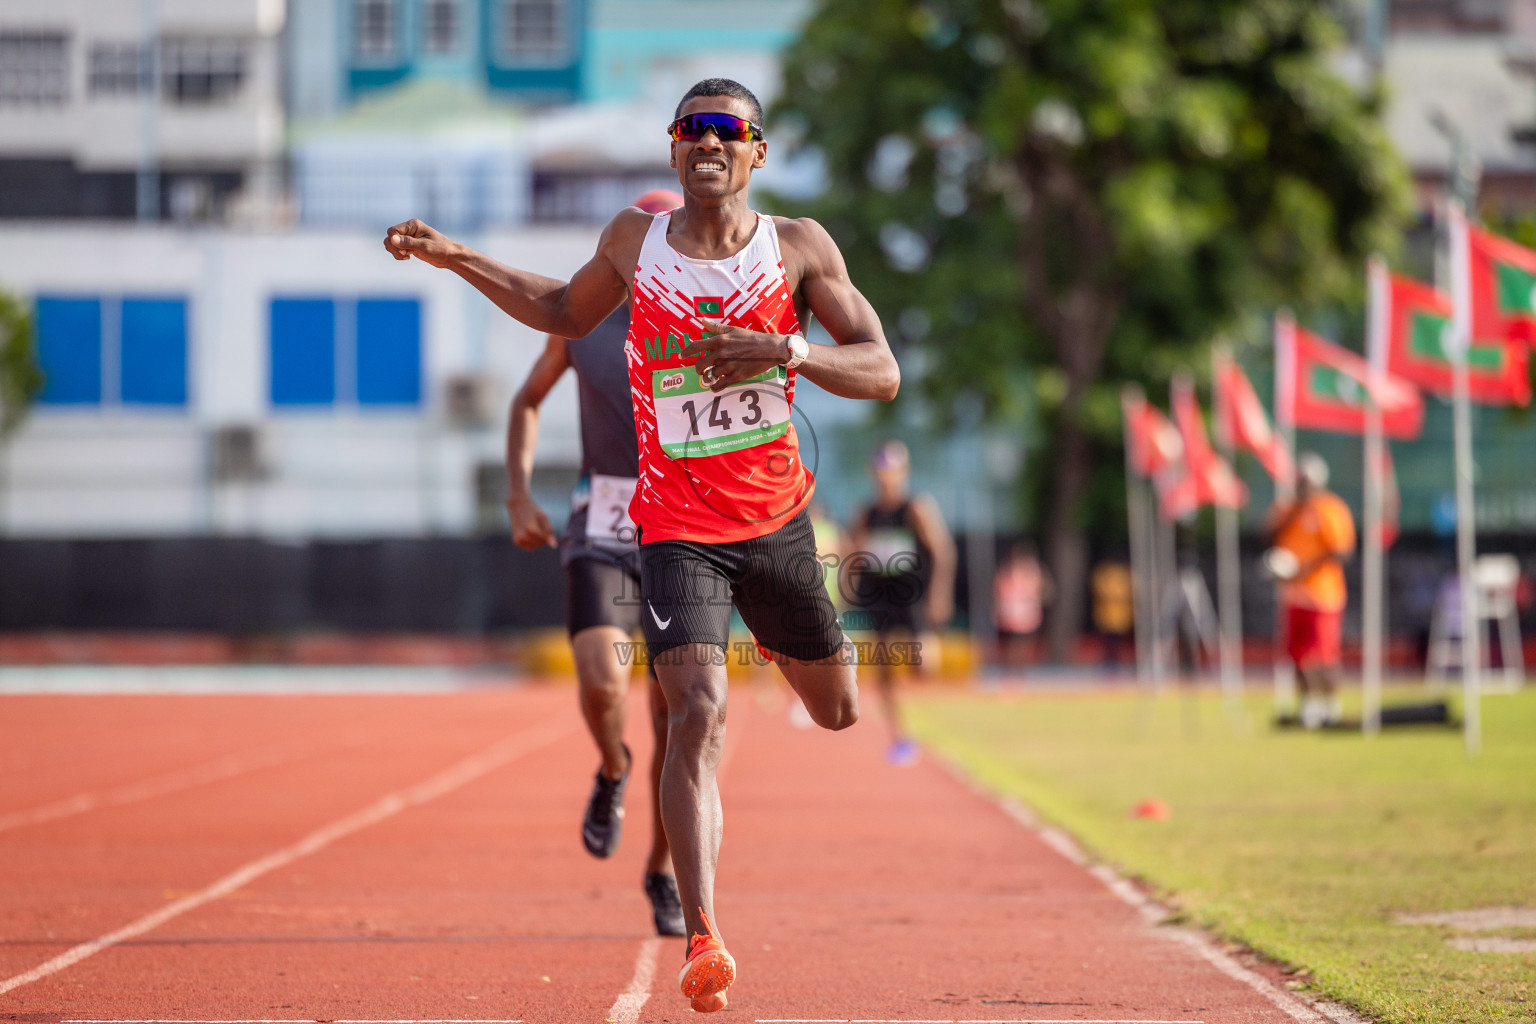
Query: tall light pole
x=147, y=193
x=1465, y=176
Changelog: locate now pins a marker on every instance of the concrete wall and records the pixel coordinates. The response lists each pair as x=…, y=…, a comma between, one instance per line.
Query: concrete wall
x=344, y=471
x=631, y=50
x=105, y=132
x=655, y=49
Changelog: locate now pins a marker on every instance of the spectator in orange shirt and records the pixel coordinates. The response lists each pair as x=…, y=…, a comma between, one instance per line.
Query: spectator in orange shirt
x=1113, y=614
x=1319, y=531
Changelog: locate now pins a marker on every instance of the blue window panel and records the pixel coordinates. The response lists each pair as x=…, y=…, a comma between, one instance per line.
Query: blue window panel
x=362, y=81
x=552, y=84
x=69, y=349
x=154, y=352
x=388, y=352
x=554, y=77
x=303, y=352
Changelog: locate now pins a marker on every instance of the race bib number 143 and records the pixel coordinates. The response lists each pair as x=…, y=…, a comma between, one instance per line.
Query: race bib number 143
x=692, y=421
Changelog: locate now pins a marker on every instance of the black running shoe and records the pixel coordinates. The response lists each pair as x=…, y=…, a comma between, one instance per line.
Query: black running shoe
x=666, y=904
x=605, y=813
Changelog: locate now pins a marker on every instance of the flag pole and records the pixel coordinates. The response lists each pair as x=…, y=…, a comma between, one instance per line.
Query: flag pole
x=1285, y=487
x=1466, y=526
x=1151, y=520
x=1168, y=565
x=1372, y=567
x=1229, y=580
x=1136, y=516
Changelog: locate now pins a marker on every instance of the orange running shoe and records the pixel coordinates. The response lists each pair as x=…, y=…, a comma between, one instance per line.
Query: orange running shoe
x=708, y=971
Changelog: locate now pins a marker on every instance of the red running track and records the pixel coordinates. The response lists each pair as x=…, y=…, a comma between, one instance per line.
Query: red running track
x=416, y=858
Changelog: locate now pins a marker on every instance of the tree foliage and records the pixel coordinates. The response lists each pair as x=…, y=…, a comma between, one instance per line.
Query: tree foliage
x=20, y=378
x=1061, y=195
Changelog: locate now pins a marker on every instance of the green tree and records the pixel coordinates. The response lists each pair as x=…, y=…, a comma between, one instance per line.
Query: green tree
x=1063, y=195
x=20, y=378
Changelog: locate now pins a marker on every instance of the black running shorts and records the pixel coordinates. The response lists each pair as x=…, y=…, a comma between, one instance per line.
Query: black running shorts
x=775, y=581
x=602, y=591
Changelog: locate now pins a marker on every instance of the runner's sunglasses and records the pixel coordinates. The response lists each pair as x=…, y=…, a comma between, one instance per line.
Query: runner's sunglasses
x=691, y=128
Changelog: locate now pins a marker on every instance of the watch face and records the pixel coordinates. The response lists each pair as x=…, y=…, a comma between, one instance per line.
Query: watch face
x=799, y=348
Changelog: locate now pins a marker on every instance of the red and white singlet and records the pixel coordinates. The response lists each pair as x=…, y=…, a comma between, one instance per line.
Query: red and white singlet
x=723, y=467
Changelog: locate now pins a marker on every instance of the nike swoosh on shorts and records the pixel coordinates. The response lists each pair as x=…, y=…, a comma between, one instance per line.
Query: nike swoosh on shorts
x=659, y=623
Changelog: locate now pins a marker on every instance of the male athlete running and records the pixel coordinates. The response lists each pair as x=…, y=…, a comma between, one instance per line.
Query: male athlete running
x=718, y=298
x=904, y=556
x=602, y=570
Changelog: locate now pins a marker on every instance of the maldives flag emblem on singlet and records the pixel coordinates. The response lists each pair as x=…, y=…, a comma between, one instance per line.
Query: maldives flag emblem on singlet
x=719, y=466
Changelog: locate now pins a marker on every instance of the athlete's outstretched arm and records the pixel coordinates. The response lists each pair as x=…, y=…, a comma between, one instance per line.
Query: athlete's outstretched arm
x=568, y=309
x=530, y=526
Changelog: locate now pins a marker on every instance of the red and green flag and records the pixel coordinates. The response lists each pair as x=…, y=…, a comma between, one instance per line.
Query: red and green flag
x=1419, y=336
x=1153, y=445
x=1324, y=386
x=1205, y=477
x=1241, y=422
x=1503, y=282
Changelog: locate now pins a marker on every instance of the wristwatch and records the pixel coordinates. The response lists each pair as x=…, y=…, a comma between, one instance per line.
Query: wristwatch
x=799, y=348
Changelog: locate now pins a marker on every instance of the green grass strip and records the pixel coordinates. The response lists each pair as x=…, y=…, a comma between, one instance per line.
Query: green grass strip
x=1305, y=846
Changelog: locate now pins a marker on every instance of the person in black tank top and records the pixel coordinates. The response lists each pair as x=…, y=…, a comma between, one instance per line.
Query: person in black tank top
x=901, y=575
x=602, y=572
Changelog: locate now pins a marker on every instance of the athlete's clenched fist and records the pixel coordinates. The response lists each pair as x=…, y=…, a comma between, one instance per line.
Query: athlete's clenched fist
x=419, y=239
x=729, y=355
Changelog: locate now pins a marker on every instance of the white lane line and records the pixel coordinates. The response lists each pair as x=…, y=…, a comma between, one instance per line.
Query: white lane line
x=217, y=770
x=1293, y=1005
x=626, y=1008
x=1218, y=958
x=387, y=806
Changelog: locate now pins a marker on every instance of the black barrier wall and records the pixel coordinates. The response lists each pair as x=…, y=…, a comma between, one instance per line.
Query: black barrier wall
x=472, y=585
x=241, y=585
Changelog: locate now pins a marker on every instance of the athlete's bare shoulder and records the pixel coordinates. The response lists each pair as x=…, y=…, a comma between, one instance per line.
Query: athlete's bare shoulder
x=804, y=235
x=807, y=248
x=621, y=240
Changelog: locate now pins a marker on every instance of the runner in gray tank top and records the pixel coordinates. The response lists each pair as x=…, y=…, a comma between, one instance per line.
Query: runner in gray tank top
x=599, y=525
x=602, y=571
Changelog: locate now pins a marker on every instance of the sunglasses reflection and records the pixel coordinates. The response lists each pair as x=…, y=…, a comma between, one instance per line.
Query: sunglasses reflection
x=727, y=127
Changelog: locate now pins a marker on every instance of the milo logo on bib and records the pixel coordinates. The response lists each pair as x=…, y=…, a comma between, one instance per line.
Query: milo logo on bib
x=693, y=421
